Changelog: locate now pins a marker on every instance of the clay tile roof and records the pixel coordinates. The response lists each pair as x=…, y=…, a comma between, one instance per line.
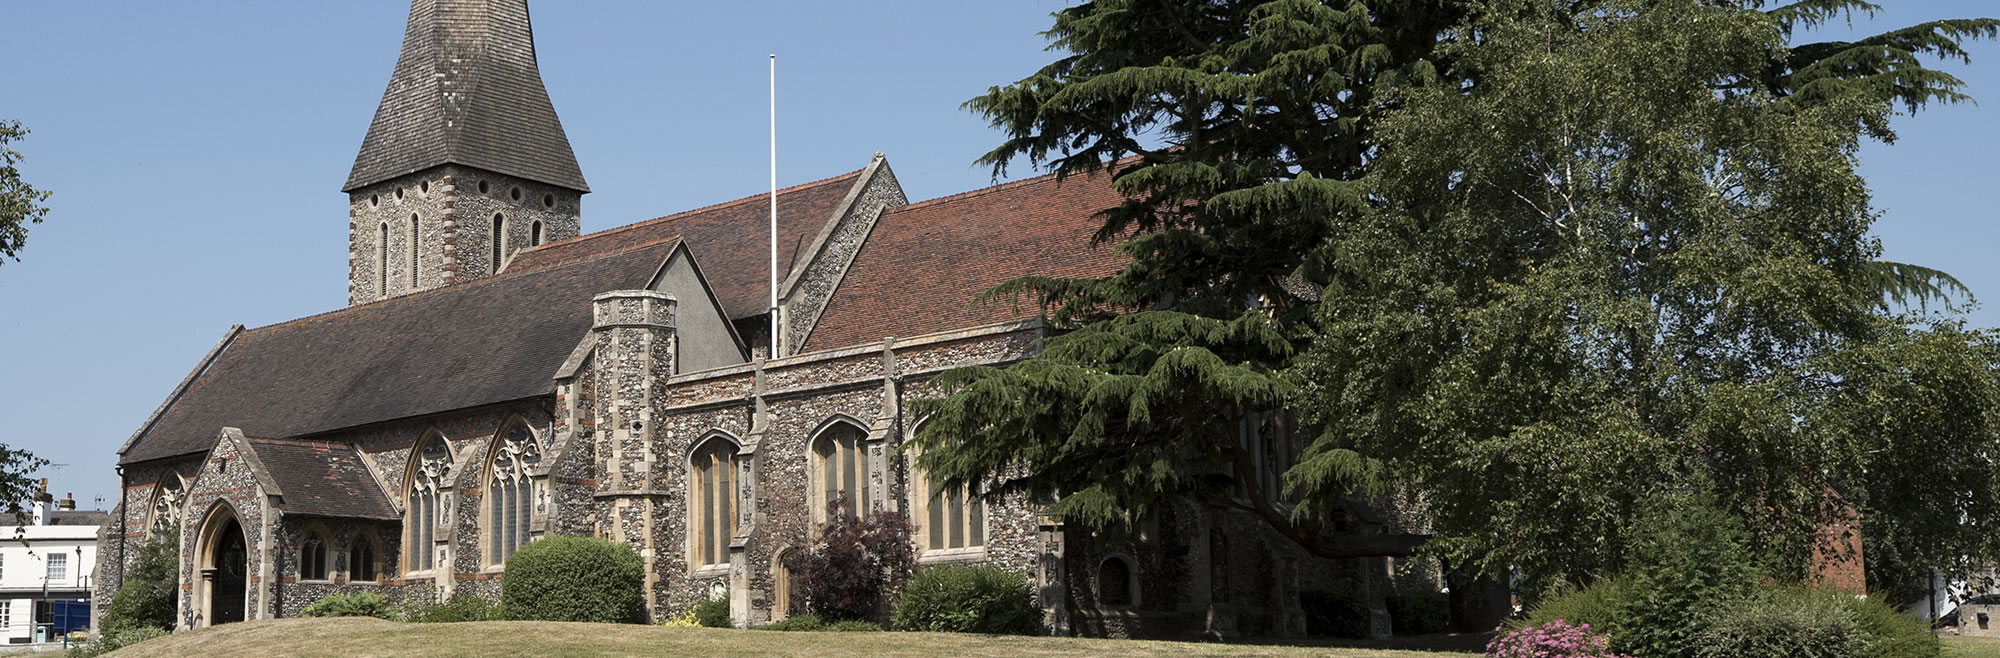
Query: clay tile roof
x=491, y=340
x=924, y=263
x=324, y=478
x=467, y=90
x=729, y=238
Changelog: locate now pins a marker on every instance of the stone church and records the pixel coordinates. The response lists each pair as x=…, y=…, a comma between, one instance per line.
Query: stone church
x=498, y=376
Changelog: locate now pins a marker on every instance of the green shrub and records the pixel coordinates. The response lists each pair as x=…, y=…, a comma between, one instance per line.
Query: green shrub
x=456, y=610
x=796, y=623
x=1689, y=560
x=1601, y=605
x=1785, y=623
x=574, y=579
x=1334, y=613
x=713, y=613
x=147, y=599
x=1420, y=613
x=351, y=604
x=1890, y=632
x=854, y=626
x=113, y=640
x=962, y=599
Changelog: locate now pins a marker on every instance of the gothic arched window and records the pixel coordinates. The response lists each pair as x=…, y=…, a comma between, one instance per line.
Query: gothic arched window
x=947, y=518
x=428, y=476
x=499, y=240
x=840, y=466
x=712, y=499
x=535, y=234
x=510, y=492
x=312, y=556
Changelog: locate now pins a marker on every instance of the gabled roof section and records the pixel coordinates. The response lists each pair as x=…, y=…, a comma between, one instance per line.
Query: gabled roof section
x=467, y=90
x=731, y=239
x=324, y=478
x=456, y=347
x=925, y=263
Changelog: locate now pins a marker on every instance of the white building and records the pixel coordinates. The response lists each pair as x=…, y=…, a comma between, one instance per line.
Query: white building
x=48, y=560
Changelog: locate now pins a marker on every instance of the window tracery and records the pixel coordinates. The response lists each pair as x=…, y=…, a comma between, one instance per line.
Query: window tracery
x=427, y=502
x=511, y=492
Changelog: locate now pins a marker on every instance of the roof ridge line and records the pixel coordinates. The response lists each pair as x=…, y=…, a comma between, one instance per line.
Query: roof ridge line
x=1000, y=187
x=505, y=276
x=691, y=211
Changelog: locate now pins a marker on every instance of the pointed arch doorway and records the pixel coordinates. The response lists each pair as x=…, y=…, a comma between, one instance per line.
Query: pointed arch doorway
x=224, y=573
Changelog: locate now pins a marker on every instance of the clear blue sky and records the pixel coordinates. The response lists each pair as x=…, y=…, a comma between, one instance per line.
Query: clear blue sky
x=197, y=151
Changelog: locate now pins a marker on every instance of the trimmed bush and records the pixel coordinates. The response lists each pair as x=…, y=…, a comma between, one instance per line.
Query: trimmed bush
x=964, y=599
x=712, y=613
x=351, y=604
x=147, y=599
x=1334, y=613
x=456, y=610
x=796, y=623
x=1785, y=623
x=574, y=579
x=1890, y=632
x=855, y=567
x=1420, y=613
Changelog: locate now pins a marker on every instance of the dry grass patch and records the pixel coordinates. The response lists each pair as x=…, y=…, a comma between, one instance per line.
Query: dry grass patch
x=373, y=638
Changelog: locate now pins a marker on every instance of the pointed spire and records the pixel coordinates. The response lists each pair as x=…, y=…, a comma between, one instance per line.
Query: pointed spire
x=467, y=90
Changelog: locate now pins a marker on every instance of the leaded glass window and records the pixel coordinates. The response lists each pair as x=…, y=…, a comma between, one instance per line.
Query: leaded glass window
x=312, y=558
x=842, y=469
x=362, y=562
x=948, y=517
x=427, y=482
x=511, y=492
x=712, y=479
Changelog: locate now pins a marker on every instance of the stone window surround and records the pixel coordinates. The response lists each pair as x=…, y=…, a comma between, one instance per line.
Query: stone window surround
x=815, y=465
x=444, y=487
x=1132, y=600
x=689, y=538
x=363, y=536
x=528, y=471
x=920, y=502
x=311, y=531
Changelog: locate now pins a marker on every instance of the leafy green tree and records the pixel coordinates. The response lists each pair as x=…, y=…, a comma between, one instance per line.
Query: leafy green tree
x=20, y=203
x=147, y=598
x=1529, y=263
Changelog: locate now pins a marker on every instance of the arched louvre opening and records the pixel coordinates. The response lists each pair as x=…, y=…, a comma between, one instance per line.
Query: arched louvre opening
x=415, y=239
x=382, y=260
x=712, y=482
x=499, y=240
x=535, y=234
x=428, y=478
x=511, y=492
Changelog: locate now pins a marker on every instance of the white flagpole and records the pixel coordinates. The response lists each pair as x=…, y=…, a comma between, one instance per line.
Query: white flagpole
x=772, y=352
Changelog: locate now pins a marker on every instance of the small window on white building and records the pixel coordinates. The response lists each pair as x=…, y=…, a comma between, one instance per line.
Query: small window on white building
x=58, y=567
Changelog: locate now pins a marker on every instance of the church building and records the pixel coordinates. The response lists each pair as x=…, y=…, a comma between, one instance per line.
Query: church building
x=499, y=376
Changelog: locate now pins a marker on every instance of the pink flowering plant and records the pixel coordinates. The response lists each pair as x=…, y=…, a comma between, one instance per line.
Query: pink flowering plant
x=1556, y=639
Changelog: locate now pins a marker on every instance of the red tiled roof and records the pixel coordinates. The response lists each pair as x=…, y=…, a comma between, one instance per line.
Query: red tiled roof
x=729, y=238
x=925, y=263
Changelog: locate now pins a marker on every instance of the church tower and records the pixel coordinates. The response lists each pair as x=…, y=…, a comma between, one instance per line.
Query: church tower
x=465, y=162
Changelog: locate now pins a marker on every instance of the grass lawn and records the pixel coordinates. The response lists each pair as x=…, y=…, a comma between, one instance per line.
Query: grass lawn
x=1971, y=647
x=369, y=638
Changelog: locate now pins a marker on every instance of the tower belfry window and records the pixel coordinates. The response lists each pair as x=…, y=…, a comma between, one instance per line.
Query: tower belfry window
x=499, y=240
x=382, y=260
x=414, y=238
x=535, y=234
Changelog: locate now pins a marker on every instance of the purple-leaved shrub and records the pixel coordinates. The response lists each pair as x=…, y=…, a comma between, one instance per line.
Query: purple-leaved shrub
x=1555, y=639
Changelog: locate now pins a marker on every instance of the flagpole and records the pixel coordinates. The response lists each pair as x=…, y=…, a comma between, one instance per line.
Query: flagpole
x=772, y=351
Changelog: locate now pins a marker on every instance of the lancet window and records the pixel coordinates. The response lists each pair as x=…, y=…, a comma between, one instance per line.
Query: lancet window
x=712, y=482
x=841, y=468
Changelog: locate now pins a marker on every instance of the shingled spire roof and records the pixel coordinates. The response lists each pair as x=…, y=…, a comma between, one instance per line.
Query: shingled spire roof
x=467, y=90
